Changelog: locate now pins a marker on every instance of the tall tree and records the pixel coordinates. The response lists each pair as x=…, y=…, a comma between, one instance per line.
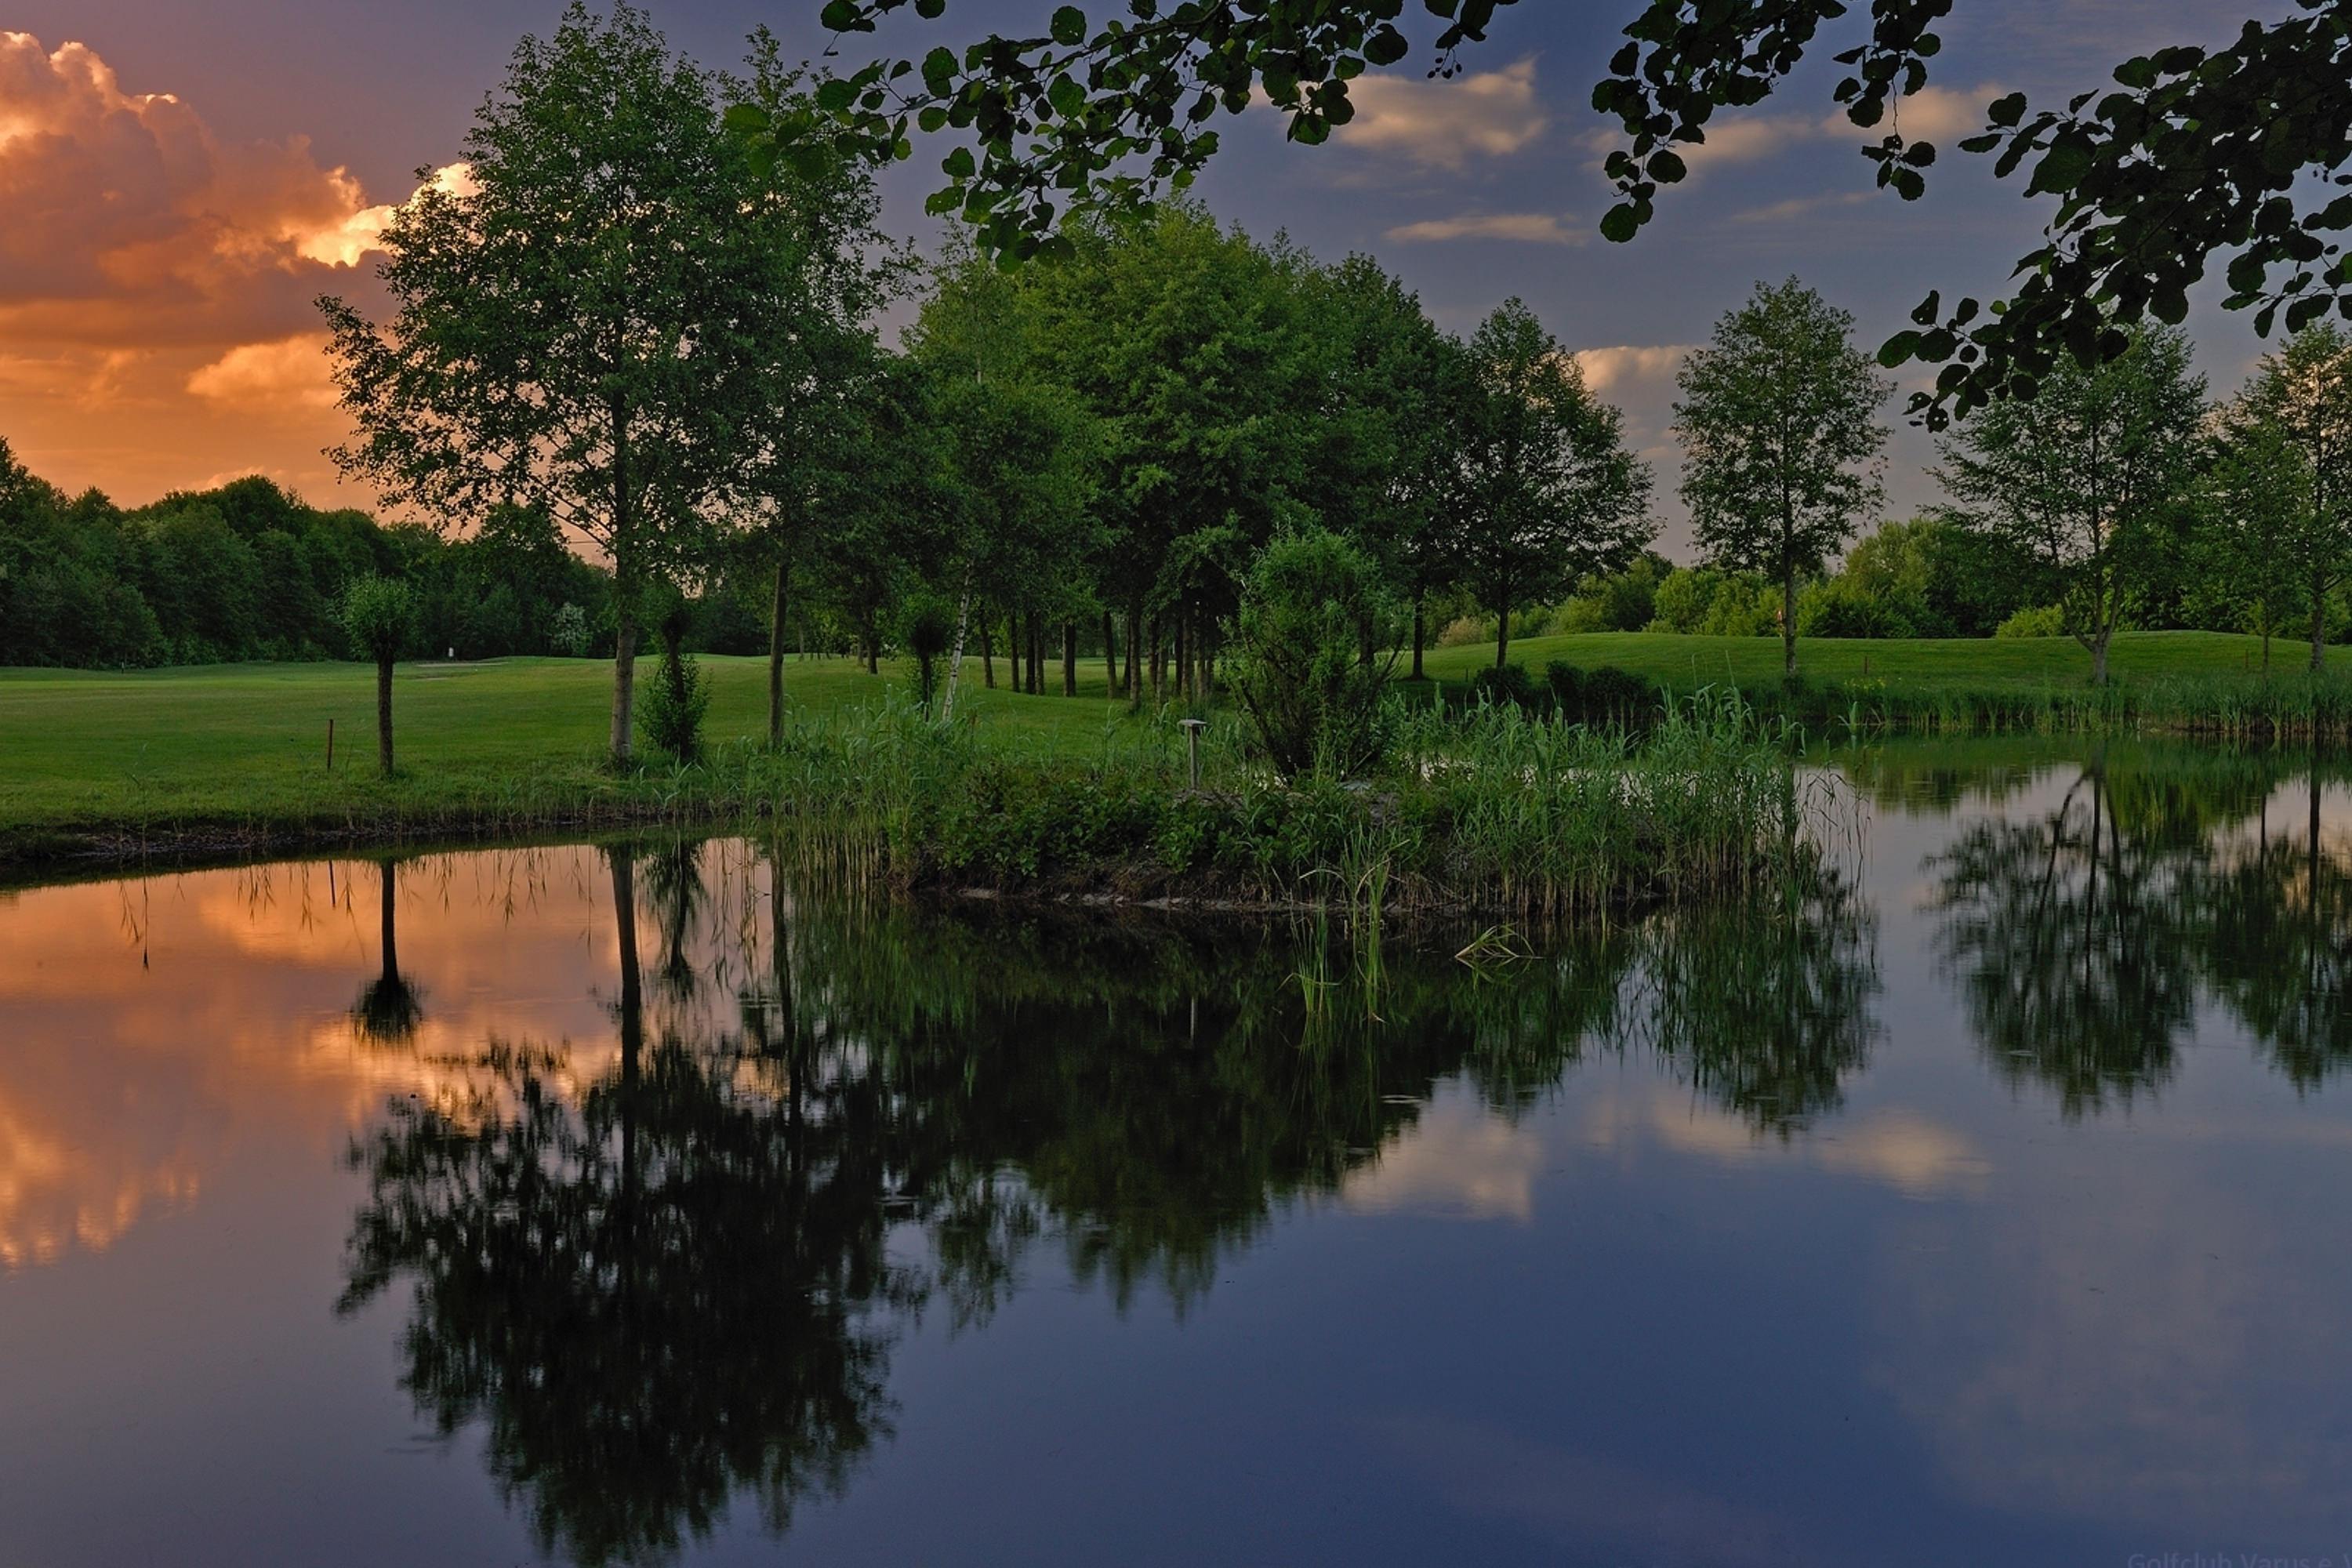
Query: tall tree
x=1384, y=440
x=1546, y=488
x=2291, y=425
x=1780, y=439
x=1017, y=449
x=820, y=333
x=2087, y=479
x=577, y=320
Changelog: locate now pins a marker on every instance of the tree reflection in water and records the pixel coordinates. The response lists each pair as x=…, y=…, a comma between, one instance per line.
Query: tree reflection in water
x=389, y=1008
x=677, y=1277
x=2084, y=937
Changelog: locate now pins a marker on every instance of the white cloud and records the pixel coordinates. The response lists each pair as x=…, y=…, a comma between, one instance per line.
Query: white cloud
x=1937, y=114
x=1628, y=363
x=1535, y=229
x=1797, y=207
x=1445, y=124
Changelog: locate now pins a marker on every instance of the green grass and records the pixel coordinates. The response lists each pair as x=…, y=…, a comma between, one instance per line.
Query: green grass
x=1926, y=663
x=240, y=750
x=223, y=759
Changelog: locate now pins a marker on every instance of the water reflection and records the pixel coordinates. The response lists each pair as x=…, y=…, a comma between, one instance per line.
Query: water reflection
x=2082, y=933
x=679, y=1277
x=671, y=1185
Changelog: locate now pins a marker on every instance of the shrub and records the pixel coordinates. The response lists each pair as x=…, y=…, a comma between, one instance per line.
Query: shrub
x=1466, y=629
x=1565, y=683
x=569, y=634
x=925, y=629
x=1844, y=608
x=2036, y=621
x=1315, y=703
x=671, y=710
x=1611, y=694
x=1509, y=683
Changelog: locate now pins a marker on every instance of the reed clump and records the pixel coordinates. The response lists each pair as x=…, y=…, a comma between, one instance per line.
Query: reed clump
x=1493, y=809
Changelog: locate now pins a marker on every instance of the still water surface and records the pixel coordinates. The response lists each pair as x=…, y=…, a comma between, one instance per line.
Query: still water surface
x=623, y=1204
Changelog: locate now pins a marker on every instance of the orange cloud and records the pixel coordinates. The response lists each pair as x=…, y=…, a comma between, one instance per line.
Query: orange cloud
x=156, y=283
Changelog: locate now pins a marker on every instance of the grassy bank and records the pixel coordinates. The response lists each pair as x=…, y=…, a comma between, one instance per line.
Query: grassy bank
x=232, y=759
x=1049, y=794
x=2206, y=683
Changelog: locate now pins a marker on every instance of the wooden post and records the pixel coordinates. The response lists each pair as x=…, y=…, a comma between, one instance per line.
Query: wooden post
x=331, y=746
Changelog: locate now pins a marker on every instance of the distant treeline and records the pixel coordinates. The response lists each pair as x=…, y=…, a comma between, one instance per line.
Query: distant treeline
x=248, y=572
x=1923, y=577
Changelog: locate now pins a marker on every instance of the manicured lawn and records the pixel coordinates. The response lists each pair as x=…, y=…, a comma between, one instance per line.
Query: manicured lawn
x=1950, y=662
x=82, y=747
x=523, y=739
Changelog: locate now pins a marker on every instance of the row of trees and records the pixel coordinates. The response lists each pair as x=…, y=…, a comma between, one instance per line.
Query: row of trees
x=655, y=330
x=247, y=571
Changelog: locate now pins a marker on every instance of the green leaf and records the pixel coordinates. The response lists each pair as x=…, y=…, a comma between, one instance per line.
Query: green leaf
x=1899, y=349
x=2007, y=111
x=1069, y=27
x=958, y=164
x=1620, y=224
x=834, y=95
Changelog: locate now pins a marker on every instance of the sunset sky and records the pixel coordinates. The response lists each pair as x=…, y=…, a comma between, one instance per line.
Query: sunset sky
x=178, y=183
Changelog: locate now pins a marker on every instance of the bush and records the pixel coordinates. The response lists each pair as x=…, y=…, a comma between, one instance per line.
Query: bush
x=924, y=629
x=1509, y=683
x=2037, y=621
x=569, y=635
x=1466, y=629
x=1315, y=704
x=378, y=615
x=1844, y=607
x=1565, y=683
x=1611, y=694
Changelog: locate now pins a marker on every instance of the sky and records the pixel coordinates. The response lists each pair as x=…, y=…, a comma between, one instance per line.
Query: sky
x=178, y=183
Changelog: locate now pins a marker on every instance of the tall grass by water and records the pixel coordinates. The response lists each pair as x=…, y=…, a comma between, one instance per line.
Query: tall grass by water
x=1493, y=809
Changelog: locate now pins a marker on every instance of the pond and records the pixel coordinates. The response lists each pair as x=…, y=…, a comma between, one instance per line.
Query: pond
x=1983, y=1203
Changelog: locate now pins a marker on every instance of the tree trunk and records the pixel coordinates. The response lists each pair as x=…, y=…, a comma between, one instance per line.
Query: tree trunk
x=1110, y=659
x=387, y=877
x=1205, y=683
x=987, y=652
x=2318, y=626
x=1789, y=619
x=1159, y=664
x=873, y=652
x=384, y=713
x=1503, y=637
x=776, y=648
x=1183, y=665
x=625, y=685
x=1132, y=686
x=2099, y=659
x=1069, y=658
x=633, y=1028
x=955, y=660
x=1419, y=630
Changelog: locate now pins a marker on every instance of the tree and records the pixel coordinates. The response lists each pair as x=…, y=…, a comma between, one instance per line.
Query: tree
x=1385, y=438
x=580, y=323
x=2192, y=155
x=1017, y=452
x=378, y=613
x=2289, y=443
x=2247, y=512
x=1315, y=705
x=1545, y=487
x=1779, y=438
x=2087, y=479
x=823, y=205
